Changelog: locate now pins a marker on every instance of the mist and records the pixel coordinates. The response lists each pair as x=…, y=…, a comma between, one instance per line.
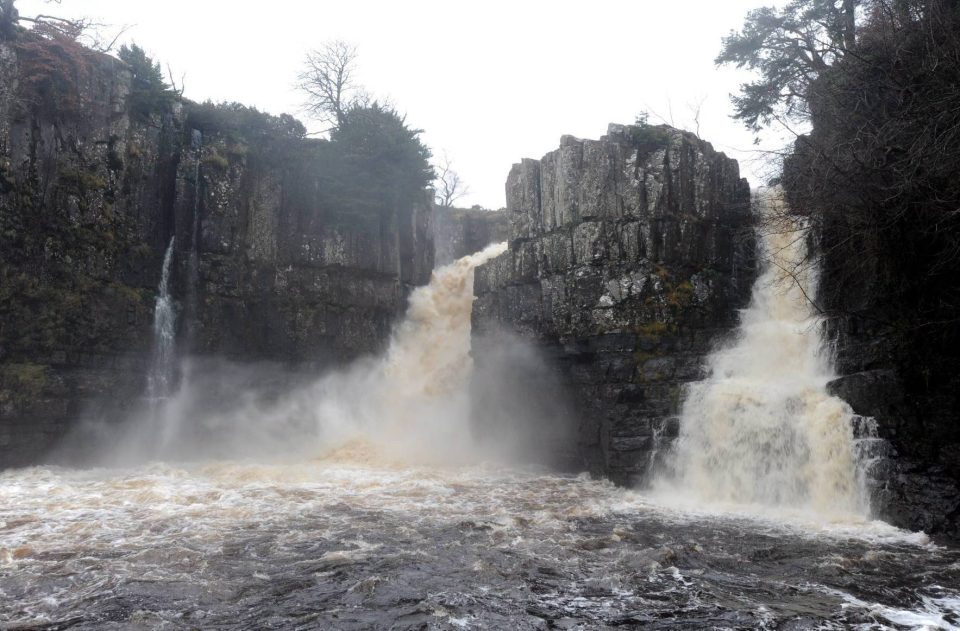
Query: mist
x=422, y=402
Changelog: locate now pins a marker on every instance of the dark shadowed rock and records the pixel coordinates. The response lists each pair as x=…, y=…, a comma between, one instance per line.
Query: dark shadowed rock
x=276, y=258
x=628, y=259
x=875, y=393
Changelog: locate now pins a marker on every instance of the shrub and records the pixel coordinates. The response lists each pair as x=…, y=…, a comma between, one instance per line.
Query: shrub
x=149, y=93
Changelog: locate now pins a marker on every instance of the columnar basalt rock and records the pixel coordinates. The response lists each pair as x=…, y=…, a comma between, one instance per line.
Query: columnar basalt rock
x=281, y=267
x=629, y=257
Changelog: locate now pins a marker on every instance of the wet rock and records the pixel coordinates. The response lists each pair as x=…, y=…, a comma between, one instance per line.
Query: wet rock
x=628, y=259
x=916, y=478
x=272, y=263
x=873, y=393
x=458, y=232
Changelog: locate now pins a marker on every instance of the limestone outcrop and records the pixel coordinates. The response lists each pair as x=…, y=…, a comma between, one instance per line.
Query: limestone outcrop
x=461, y=231
x=274, y=259
x=628, y=259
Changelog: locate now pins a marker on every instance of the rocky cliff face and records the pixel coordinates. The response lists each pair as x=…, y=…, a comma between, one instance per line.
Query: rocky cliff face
x=888, y=290
x=287, y=269
x=462, y=231
x=272, y=262
x=910, y=388
x=628, y=259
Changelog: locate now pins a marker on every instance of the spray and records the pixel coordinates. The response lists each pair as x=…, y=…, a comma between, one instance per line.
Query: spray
x=762, y=429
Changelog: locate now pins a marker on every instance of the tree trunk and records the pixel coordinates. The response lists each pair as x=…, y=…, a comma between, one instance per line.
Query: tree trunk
x=8, y=18
x=849, y=24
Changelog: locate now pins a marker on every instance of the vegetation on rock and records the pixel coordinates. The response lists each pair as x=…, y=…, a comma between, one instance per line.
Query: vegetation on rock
x=878, y=83
x=149, y=93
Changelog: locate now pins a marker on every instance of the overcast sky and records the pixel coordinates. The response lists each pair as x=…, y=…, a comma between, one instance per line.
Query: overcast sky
x=490, y=82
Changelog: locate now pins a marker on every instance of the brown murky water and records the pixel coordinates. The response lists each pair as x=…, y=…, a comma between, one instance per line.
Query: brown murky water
x=347, y=544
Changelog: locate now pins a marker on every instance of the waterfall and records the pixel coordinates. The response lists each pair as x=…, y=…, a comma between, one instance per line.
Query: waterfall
x=429, y=353
x=395, y=408
x=762, y=429
x=416, y=396
x=162, y=370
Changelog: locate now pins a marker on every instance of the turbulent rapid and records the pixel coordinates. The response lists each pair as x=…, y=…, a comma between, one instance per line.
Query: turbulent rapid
x=359, y=501
x=337, y=544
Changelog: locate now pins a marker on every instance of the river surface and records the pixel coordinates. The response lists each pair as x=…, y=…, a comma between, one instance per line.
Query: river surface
x=368, y=536
x=347, y=543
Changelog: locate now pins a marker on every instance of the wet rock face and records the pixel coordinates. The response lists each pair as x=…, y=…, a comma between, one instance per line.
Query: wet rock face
x=269, y=263
x=286, y=271
x=628, y=259
x=919, y=484
x=462, y=231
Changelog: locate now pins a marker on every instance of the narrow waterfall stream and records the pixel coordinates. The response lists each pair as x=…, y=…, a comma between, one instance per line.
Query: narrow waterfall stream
x=160, y=381
x=762, y=430
x=357, y=502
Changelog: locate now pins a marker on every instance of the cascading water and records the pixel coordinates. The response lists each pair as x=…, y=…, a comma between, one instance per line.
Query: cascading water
x=163, y=368
x=416, y=396
x=762, y=429
x=395, y=408
x=429, y=354
x=348, y=540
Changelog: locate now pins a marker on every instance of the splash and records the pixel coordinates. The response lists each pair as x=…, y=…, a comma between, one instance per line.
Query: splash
x=391, y=409
x=421, y=395
x=762, y=429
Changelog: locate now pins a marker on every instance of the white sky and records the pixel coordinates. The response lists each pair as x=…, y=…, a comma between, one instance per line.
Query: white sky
x=489, y=82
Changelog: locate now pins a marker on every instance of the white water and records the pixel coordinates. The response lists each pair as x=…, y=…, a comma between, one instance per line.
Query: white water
x=370, y=534
x=162, y=369
x=417, y=396
x=761, y=430
x=395, y=408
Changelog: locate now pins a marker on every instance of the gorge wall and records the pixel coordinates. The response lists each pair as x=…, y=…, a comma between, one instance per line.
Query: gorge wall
x=899, y=370
x=462, y=231
x=628, y=259
x=277, y=257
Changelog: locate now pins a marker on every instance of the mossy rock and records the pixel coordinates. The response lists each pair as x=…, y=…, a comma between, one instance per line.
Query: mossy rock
x=214, y=160
x=21, y=383
x=649, y=138
x=680, y=295
x=81, y=181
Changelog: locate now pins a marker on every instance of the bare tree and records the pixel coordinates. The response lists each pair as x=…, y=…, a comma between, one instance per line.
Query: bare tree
x=450, y=187
x=328, y=82
x=178, y=89
x=94, y=35
x=695, y=108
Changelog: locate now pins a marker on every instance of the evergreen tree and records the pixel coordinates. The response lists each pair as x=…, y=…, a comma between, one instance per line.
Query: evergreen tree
x=789, y=48
x=149, y=92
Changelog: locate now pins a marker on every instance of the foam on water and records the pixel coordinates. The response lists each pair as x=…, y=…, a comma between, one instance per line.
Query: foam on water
x=380, y=535
x=761, y=431
x=375, y=521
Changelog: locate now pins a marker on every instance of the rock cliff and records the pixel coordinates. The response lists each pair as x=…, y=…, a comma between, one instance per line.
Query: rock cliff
x=888, y=286
x=629, y=257
x=462, y=231
x=275, y=259
x=909, y=386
